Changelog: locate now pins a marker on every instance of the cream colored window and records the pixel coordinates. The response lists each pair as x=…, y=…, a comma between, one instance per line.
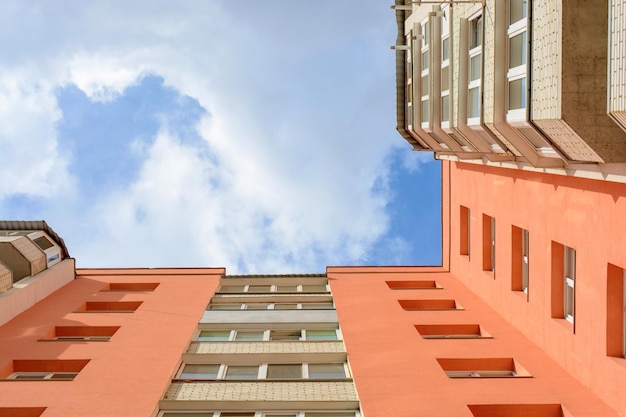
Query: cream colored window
x=445, y=68
x=425, y=72
x=409, y=83
x=517, y=57
x=264, y=371
x=475, y=70
x=570, y=280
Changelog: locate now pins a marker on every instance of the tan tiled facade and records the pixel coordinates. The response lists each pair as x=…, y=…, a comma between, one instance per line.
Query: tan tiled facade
x=527, y=80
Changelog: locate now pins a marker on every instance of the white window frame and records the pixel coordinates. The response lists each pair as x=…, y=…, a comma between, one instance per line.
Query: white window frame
x=525, y=260
x=425, y=72
x=569, y=301
x=493, y=244
x=445, y=63
x=232, y=336
x=519, y=72
x=274, y=288
x=473, y=53
x=271, y=306
x=409, y=82
x=42, y=376
x=482, y=374
x=349, y=413
x=261, y=371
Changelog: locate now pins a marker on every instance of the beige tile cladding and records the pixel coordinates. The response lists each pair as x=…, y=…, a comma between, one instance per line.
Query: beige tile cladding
x=567, y=140
x=266, y=347
x=6, y=278
x=489, y=66
x=35, y=256
x=262, y=391
x=546, y=63
x=617, y=75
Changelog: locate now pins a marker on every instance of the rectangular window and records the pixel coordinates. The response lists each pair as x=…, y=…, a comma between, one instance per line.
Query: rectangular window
x=425, y=74
x=426, y=284
x=475, y=69
x=278, y=335
x=519, y=259
x=489, y=243
x=517, y=46
x=445, y=67
x=563, y=279
x=438, y=304
x=481, y=368
x=464, y=219
x=570, y=278
x=45, y=369
x=616, y=311
x=35, y=376
x=263, y=371
x=110, y=306
x=133, y=286
x=451, y=331
x=261, y=289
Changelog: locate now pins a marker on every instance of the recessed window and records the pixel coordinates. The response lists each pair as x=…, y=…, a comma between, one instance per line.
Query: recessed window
x=570, y=279
x=517, y=46
x=278, y=335
x=45, y=369
x=520, y=259
x=110, y=306
x=514, y=410
x=264, y=371
x=133, y=286
x=412, y=285
x=451, y=331
x=481, y=368
x=489, y=243
x=429, y=305
x=475, y=69
x=260, y=289
x=324, y=305
x=464, y=238
x=425, y=72
x=616, y=311
x=82, y=333
x=563, y=280
x=21, y=411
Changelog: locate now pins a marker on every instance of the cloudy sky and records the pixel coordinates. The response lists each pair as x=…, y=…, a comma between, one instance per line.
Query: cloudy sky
x=258, y=136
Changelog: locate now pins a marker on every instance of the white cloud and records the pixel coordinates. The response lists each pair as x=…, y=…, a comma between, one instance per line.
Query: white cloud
x=298, y=130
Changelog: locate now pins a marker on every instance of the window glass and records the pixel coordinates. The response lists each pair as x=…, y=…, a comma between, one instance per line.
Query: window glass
x=287, y=288
x=445, y=78
x=257, y=306
x=327, y=370
x=225, y=307
x=249, y=335
x=517, y=50
x=425, y=60
x=424, y=111
x=279, y=335
x=473, y=105
x=445, y=49
x=314, y=288
x=285, y=306
x=425, y=85
x=321, y=335
x=517, y=10
x=476, y=32
x=242, y=372
x=331, y=414
x=284, y=371
x=214, y=335
x=260, y=288
x=232, y=288
x=251, y=414
x=475, y=67
x=445, y=108
x=317, y=306
x=517, y=94
x=193, y=371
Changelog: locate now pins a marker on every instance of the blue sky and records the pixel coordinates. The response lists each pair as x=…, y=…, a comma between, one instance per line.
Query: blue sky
x=259, y=136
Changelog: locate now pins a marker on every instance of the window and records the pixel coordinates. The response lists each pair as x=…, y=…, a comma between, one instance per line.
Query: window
x=445, y=68
x=429, y=305
x=517, y=58
x=451, y=331
x=413, y=285
x=535, y=410
x=278, y=335
x=616, y=311
x=253, y=414
x=45, y=369
x=36, y=376
x=481, y=368
x=489, y=243
x=409, y=82
x=81, y=333
x=475, y=70
x=563, y=279
x=519, y=259
x=570, y=278
x=323, y=305
x=109, y=306
x=425, y=74
x=464, y=244
x=133, y=286
x=260, y=289
x=264, y=371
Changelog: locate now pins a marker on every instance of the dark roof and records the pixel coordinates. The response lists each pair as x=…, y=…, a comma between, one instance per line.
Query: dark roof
x=35, y=225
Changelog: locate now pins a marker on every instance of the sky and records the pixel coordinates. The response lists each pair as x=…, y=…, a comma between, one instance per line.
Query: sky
x=256, y=136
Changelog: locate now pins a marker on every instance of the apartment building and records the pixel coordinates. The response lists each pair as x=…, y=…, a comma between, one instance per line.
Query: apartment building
x=514, y=83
